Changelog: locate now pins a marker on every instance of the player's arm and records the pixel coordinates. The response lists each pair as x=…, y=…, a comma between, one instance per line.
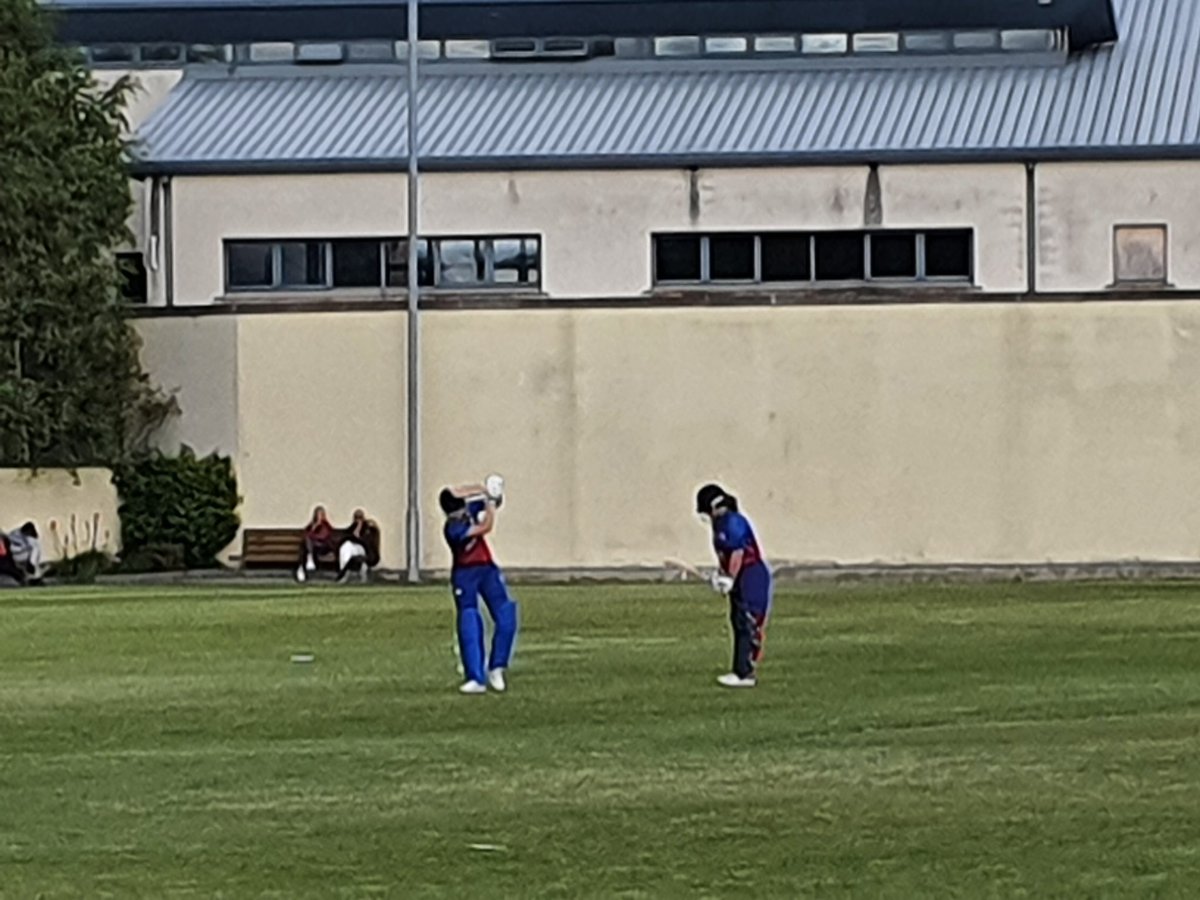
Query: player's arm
x=736, y=559
x=463, y=491
x=484, y=527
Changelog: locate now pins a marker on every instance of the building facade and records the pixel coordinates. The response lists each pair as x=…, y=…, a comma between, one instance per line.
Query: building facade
x=919, y=283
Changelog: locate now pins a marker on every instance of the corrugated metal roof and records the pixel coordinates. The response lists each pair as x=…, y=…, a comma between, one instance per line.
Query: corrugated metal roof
x=1138, y=98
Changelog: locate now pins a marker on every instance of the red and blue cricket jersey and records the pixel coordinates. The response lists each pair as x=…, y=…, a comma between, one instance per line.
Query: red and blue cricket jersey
x=732, y=532
x=467, y=551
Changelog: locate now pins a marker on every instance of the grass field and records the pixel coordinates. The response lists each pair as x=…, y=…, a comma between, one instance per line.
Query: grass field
x=924, y=741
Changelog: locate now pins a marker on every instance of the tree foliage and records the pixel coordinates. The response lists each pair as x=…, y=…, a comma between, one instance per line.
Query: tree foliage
x=72, y=390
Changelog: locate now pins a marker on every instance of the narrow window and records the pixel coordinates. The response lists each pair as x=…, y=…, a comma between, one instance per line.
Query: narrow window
x=677, y=258
x=731, y=257
x=786, y=257
x=840, y=256
x=948, y=254
x=302, y=264
x=893, y=255
x=356, y=264
x=397, y=264
x=249, y=266
x=459, y=262
x=516, y=261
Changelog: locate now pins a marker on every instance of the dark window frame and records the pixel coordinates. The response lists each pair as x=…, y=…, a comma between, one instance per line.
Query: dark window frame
x=484, y=249
x=919, y=235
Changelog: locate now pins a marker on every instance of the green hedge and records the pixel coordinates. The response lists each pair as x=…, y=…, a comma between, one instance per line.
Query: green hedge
x=185, y=501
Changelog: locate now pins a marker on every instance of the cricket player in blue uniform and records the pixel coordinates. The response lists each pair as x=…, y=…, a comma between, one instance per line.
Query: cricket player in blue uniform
x=470, y=517
x=743, y=576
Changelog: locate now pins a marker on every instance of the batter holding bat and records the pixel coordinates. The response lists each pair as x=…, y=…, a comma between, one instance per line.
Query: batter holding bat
x=743, y=577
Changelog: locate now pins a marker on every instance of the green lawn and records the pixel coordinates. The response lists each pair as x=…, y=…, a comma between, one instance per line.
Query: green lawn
x=926, y=741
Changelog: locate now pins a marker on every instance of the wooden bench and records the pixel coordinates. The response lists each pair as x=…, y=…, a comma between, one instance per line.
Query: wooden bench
x=278, y=548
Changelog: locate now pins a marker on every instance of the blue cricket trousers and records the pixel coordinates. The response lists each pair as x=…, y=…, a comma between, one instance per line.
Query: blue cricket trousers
x=469, y=584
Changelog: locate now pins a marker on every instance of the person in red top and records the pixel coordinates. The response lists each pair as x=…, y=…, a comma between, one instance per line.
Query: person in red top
x=470, y=517
x=319, y=537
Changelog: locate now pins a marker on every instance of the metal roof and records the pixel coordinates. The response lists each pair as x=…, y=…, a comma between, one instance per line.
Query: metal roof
x=1136, y=99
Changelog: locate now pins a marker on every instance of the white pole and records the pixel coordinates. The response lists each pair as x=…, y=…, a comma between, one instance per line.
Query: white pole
x=413, y=516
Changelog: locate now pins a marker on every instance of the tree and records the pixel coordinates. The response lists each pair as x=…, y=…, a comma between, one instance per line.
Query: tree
x=72, y=390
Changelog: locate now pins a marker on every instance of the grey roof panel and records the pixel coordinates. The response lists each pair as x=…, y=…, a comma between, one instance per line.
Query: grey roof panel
x=1135, y=98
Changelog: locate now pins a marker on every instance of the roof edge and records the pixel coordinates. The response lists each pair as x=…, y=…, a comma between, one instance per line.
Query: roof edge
x=1149, y=153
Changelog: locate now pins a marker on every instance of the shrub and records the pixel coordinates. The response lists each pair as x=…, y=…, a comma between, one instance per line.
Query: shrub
x=153, y=558
x=185, y=500
x=82, y=569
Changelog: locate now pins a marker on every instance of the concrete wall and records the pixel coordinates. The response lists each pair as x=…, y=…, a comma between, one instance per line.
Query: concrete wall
x=1079, y=204
x=924, y=433
x=64, y=507
x=596, y=225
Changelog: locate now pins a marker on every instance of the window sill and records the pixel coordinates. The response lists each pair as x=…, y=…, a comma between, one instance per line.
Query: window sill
x=1146, y=286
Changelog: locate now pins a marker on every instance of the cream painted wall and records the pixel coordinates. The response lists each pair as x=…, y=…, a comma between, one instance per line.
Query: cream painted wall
x=197, y=361
x=990, y=199
x=1080, y=203
x=596, y=225
x=923, y=433
x=65, y=507
x=321, y=420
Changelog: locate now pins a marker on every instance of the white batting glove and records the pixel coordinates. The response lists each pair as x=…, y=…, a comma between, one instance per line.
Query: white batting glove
x=722, y=584
x=494, y=485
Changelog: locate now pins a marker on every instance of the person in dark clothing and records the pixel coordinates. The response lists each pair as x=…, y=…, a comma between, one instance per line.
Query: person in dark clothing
x=359, y=549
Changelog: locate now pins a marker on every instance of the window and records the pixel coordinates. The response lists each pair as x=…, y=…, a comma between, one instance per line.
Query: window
x=161, y=53
x=301, y=264
x=208, y=53
x=949, y=254
x=109, y=54
x=823, y=43
x=797, y=257
x=677, y=258
x=1140, y=254
x=516, y=261
x=876, y=43
x=786, y=257
x=893, y=255
x=378, y=263
x=731, y=257
x=249, y=266
x=681, y=45
x=356, y=264
x=133, y=277
x=840, y=256
x=397, y=264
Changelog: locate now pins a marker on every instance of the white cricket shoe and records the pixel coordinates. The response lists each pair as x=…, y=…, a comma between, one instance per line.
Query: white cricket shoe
x=300, y=576
x=496, y=680
x=310, y=564
x=733, y=680
x=472, y=687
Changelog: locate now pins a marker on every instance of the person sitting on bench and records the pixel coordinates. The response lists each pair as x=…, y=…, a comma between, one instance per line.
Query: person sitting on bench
x=319, y=538
x=360, y=547
x=25, y=549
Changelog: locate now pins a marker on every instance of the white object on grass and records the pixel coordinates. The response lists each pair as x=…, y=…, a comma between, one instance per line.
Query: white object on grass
x=302, y=657
x=310, y=564
x=496, y=680
x=300, y=576
x=488, y=848
x=472, y=687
